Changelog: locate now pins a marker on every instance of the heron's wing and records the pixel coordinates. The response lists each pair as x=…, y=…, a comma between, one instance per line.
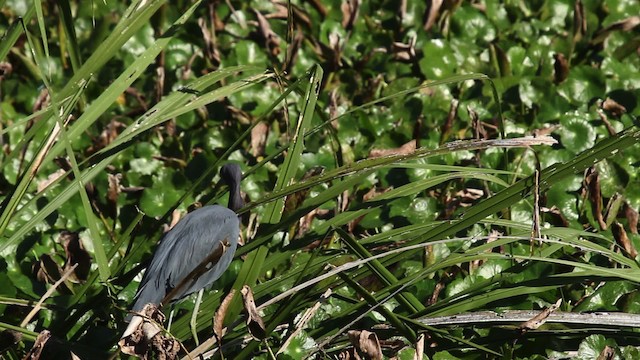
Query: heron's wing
x=190, y=242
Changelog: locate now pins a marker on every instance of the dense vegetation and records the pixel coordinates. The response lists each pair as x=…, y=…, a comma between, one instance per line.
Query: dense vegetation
x=410, y=162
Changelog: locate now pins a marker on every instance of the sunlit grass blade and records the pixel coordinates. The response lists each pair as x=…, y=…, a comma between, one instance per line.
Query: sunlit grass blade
x=523, y=188
x=109, y=96
x=455, y=79
x=309, y=204
x=290, y=165
x=96, y=238
x=406, y=299
x=43, y=35
x=386, y=161
x=89, y=117
x=423, y=184
x=136, y=16
x=12, y=35
x=70, y=38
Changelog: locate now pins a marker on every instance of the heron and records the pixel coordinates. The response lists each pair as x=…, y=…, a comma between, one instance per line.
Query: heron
x=188, y=244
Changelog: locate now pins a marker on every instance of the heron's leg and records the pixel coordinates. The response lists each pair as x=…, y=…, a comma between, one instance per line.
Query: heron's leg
x=194, y=317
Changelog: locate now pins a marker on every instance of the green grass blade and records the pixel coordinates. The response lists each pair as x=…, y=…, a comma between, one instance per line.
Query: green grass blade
x=43, y=36
x=13, y=33
x=423, y=184
x=289, y=168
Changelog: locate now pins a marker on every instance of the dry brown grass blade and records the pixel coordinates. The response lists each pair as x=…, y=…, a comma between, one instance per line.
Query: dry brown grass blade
x=367, y=343
x=218, y=317
x=255, y=324
x=539, y=319
x=145, y=337
x=623, y=240
x=419, y=348
x=38, y=346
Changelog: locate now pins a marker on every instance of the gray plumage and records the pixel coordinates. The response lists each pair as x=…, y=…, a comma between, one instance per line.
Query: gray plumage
x=191, y=241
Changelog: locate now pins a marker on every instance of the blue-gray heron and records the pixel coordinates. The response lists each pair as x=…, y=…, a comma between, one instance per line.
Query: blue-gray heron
x=195, y=238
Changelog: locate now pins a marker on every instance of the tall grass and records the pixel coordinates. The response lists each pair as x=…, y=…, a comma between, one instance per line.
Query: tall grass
x=378, y=276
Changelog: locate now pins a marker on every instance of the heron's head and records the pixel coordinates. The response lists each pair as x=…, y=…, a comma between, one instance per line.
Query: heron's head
x=231, y=175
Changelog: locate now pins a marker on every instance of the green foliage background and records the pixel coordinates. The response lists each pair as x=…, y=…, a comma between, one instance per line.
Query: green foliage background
x=155, y=96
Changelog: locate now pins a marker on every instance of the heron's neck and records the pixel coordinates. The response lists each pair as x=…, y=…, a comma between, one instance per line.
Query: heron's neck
x=235, y=200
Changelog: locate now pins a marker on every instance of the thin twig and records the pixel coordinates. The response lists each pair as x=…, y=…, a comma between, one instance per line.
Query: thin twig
x=46, y=295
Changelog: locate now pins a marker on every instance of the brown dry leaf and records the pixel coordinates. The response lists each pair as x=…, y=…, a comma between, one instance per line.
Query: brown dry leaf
x=595, y=195
x=304, y=224
x=165, y=348
x=431, y=15
x=296, y=199
x=173, y=162
x=468, y=196
x=349, y=354
x=539, y=319
x=405, y=52
x=113, y=192
x=108, y=134
x=448, y=124
x=160, y=76
x=613, y=107
x=53, y=177
x=259, y=135
x=623, y=240
x=557, y=213
x=336, y=49
x=579, y=21
x=271, y=39
x=318, y=5
x=366, y=343
x=76, y=254
x=255, y=324
x=592, y=181
x=42, y=101
x=47, y=270
x=436, y=293
x=394, y=345
x=405, y=149
x=64, y=164
x=5, y=69
x=605, y=120
x=608, y=353
x=38, y=346
x=333, y=107
x=218, y=317
x=560, y=68
x=292, y=51
x=373, y=192
x=632, y=217
x=350, y=9
x=622, y=25
x=547, y=130
x=137, y=339
x=218, y=23
x=299, y=15
x=208, y=37
x=140, y=98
